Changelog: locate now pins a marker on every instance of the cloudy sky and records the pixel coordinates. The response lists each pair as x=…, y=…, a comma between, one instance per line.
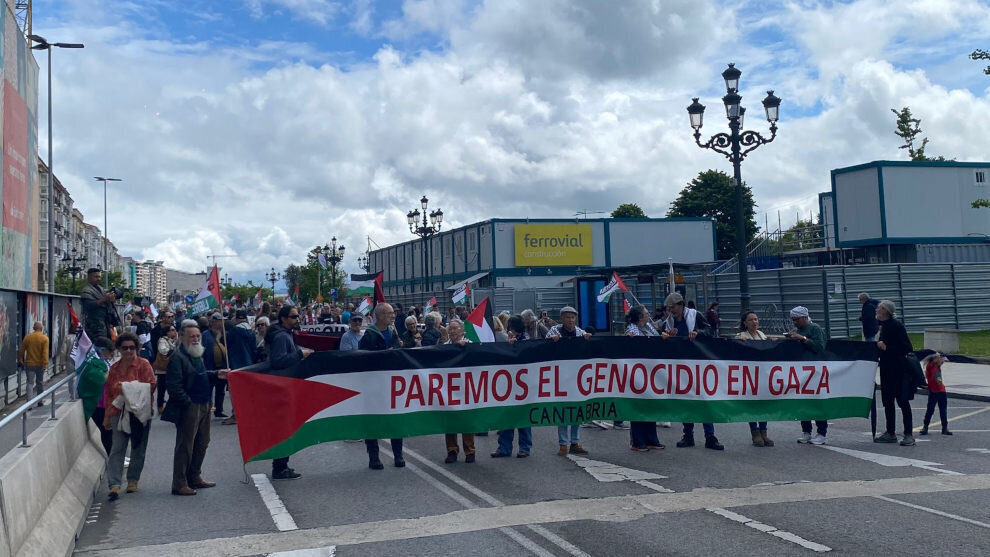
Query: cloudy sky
x=263, y=127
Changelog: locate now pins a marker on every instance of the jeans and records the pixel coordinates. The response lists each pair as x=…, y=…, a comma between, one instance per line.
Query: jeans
x=115, y=464
x=820, y=425
x=890, y=414
x=871, y=338
x=943, y=408
x=709, y=429
x=505, y=437
x=35, y=376
x=192, y=437
x=762, y=426
x=467, y=439
x=642, y=434
x=575, y=436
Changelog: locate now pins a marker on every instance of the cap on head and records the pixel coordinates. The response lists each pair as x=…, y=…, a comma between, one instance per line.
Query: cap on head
x=216, y=317
x=673, y=298
x=799, y=311
x=568, y=309
x=241, y=314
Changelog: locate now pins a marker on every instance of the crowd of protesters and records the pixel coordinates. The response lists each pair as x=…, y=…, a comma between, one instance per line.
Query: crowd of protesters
x=183, y=364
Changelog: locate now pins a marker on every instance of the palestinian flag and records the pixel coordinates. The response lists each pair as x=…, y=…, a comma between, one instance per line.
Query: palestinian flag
x=625, y=306
x=91, y=371
x=257, y=299
x=209, y=296
x=366, y=305
x=295, y=295
x=613, y=285
x=461, y=293
x=367, y=285
x=477, y=327
x=152, y=310
x=431, y=305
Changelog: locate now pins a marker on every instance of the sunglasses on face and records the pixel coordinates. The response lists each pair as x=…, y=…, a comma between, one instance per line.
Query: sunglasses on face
x=128, y=348
x=293, y=317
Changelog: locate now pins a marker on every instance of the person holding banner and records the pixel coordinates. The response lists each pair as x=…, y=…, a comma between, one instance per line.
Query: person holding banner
x=895, y=382
x=517, y=333
x=283, y=353
x=568, y=329
x=812, y=337
x=685, y=322
x=381, y=335
x=455, y=332
x=642, y=435
x=749, y=329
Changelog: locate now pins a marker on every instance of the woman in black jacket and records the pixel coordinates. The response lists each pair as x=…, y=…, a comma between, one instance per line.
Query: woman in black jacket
x=895, y=383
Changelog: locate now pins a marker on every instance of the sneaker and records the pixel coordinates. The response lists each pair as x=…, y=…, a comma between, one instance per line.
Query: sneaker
x=451, y=457
x=711, y=442
x=114, y=493
x=620, y=425
x=220, y=415
x=924, y=431
x=818, y=439
x=805, y=438
x=522, y=454
x=230, y=421
x=907, y=441
x=640, y=449
x=499, y=454
x=562, y=451
x=600, y=424
x=686, y=441
x=665, y=424
x=132, y=486
x=469, y=459
x=576, y=448
x=286, y=474
x=945, y=431
x=658, y=447
x=885, y=438
x=375, y=463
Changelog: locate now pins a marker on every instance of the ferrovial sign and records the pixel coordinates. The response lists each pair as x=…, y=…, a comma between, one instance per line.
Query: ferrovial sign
x=552, y=244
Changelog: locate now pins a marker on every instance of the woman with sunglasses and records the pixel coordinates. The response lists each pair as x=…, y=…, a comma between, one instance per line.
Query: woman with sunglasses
x=130, y=367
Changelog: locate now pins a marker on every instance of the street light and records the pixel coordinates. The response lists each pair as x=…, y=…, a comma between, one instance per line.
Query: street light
x=272, y=277
x=106, y=267
x=365, y=263
x=74, y=269
x=42, y=44
x=735, y=146
x=334, y=255
x=425, y=231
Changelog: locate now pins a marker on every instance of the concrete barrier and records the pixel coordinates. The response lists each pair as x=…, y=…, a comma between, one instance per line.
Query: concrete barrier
x=942, y=340
x=46, y=488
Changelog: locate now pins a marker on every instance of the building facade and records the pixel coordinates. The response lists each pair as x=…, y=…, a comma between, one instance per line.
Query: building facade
x=63, y=226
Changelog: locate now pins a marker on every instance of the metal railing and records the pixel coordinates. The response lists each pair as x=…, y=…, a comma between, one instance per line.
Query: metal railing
x=23, y=410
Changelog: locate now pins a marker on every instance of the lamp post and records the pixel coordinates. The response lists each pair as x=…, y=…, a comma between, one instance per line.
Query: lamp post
x=106, y=277
x=425, y=231
x=73, y=269
x=272, y=277
x=334, y=255
x=735, y=145
x=365, y=263
x=42, y=44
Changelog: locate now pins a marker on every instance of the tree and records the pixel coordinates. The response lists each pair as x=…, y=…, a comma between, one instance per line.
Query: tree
x=245, y=292
x=628, y=211
x=805, y=234
x=980, y=54
x=312, y=279
x=908, y=129
x=711, y=194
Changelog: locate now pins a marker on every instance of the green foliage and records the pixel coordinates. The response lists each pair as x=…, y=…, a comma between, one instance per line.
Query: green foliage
x=711, y=194
x=981, y=204
x=312, y=279
x=628, y=211
x=980, y=54
x=805, y=234
x=246, y=292
x=908, y=129
x=63, y=283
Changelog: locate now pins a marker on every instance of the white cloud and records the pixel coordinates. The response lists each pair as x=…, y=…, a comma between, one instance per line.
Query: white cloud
x=533, y=109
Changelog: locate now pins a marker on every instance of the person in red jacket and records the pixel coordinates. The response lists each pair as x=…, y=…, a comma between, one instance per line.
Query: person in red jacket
x=936, y=392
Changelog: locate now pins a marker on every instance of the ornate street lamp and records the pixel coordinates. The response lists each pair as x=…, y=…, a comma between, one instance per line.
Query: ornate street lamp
x=74, y=269
x=365, y=263
x=735, y=145
x=272, y=277
x=334, y=255
x=425, y=231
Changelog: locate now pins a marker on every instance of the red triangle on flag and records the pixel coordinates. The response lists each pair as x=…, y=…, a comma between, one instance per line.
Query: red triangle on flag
x=273, y=408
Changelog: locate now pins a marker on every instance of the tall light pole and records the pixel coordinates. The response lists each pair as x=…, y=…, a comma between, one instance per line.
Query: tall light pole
x=735, y=145
x=365, y=263
x=425, y=231
x=106, y=267
x=74, y=269
x=42, y=44
x=334, y=255
x=272, y=277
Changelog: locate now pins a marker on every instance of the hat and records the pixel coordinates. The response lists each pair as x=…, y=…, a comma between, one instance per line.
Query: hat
x=241, y=314
x=673, y=298
x=568, y=309
x=799, y=311
x=357, y=317
x=216, y=316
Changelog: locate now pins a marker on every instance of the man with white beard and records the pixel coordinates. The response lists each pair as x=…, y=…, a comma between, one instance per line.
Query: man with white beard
x=189, y=409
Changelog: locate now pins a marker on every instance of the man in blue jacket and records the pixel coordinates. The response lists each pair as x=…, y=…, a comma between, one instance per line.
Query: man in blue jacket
x=381, y=335
x=283, y=353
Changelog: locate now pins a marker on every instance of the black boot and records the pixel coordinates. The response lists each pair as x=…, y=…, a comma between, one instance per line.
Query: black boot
x=711, y=442
x=686, y=441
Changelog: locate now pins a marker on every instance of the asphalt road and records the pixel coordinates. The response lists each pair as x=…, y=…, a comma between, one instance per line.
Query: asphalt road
x=851, y=496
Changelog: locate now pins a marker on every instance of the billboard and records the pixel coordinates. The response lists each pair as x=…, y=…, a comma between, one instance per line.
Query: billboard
x=547, y=245
x=19, y=192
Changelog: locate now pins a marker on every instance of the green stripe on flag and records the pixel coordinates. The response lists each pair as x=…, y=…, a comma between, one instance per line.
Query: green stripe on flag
x=377, y=426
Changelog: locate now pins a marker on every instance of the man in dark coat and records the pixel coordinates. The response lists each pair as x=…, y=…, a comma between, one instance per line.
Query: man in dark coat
x=283, y=354
x=96, y=304
x=381, y=335
x=189, y=408
x=896, y=385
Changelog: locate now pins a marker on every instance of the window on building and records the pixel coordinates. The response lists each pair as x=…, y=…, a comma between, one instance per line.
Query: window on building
x=981, y=177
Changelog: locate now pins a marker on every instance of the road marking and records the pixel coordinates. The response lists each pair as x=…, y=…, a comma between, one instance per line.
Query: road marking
x=773, y=531
x=608, y=472
x=624, y=508
x=938, y=423
x=283, y=520
x=981, y=451
x=491, y=500
x=890, y=460
x=933, y=511
x=330, y=551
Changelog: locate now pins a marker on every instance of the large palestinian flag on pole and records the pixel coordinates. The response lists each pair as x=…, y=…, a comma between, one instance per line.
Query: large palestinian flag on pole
x=209, y=296
x=334, y=395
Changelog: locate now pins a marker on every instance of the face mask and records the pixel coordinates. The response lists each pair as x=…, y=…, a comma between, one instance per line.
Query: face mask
x=195, y=350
